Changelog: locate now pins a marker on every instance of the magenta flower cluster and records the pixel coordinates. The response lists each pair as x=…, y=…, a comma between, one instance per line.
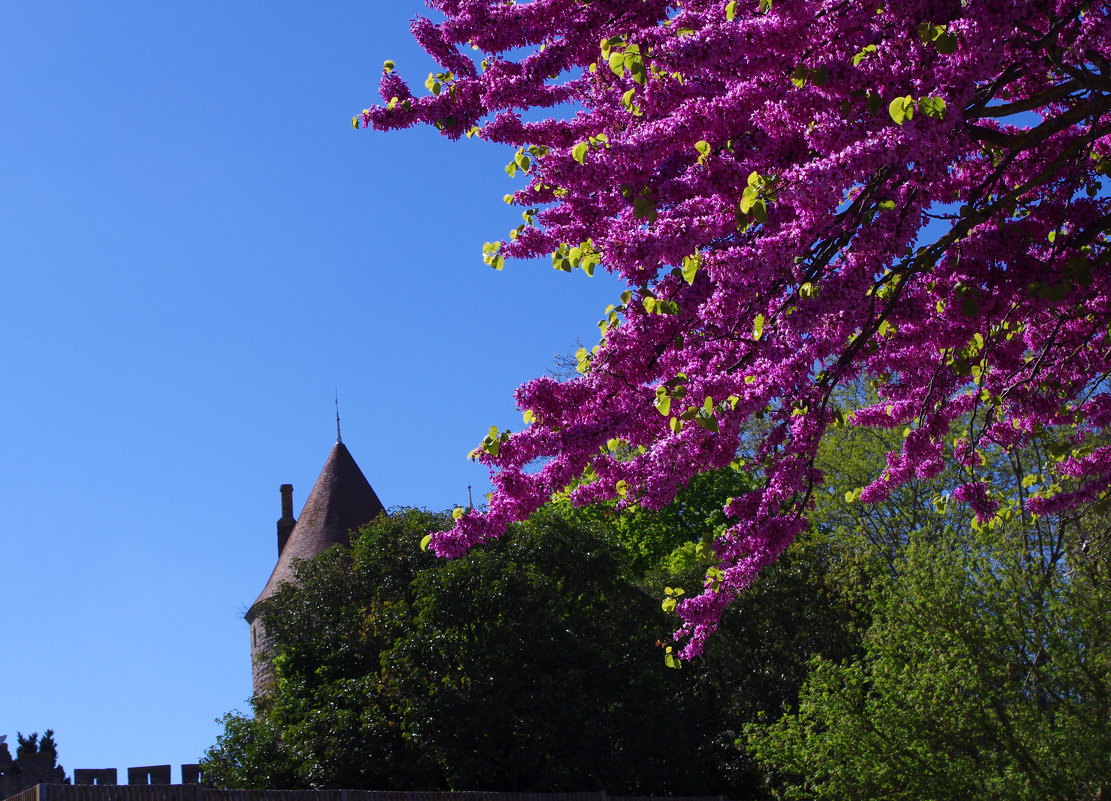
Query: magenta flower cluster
x=800, y=194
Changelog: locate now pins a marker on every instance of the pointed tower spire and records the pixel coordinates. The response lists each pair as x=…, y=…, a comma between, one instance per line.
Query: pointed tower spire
x=340, y=502
x=339, y=439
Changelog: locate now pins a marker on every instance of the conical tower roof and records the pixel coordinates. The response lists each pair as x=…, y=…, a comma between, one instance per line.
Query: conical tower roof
x=341, y=501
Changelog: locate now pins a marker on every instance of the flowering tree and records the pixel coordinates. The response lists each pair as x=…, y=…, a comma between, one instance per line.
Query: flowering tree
x=799, y=194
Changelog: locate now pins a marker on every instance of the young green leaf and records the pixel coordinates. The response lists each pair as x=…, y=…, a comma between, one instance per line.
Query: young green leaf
x=932, y=107
x=690, y=267
x=901, y=109
x=868, y=50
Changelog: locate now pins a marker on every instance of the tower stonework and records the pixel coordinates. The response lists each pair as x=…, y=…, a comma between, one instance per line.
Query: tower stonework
x=341, y=502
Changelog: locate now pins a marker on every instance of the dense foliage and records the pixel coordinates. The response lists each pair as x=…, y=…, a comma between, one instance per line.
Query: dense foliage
x=530, y=665
x=986, y=673
x=798, y=193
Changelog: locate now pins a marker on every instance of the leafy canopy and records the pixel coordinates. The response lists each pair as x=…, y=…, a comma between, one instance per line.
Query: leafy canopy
x=799, y=194
x=985, y=674
x=388, y=679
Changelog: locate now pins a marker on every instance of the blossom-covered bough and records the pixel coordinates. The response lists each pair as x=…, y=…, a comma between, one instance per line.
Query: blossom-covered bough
x=799, y=194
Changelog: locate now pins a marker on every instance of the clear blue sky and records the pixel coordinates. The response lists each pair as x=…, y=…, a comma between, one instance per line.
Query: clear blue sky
x=197, y=250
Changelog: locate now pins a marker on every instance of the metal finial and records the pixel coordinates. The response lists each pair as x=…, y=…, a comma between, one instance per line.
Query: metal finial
x=470, y=503
x=339, y=439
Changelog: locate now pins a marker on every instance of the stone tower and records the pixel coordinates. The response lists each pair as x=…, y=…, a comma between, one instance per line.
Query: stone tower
x=341, y=501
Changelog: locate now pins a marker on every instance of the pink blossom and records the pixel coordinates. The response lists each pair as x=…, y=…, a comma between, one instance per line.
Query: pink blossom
x=910, y=192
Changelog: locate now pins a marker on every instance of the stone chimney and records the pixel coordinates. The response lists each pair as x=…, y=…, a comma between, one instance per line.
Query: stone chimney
x=285, y=524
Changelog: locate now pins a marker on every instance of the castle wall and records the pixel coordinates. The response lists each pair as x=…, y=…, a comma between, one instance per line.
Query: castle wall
x=262, y=669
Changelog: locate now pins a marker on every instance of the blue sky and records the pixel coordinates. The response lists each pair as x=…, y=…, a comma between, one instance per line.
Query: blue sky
x=197, y=251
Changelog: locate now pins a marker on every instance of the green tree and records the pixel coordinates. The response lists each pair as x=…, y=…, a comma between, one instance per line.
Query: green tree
x=985, y=673
x=530, y=665
x=533, y=664
x=331, y=720
x=799, y=608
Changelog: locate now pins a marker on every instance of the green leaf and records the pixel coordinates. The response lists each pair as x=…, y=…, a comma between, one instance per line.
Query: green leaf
x=528, y=416
x=635, y=65
x=425, y=542
x=706, y=421
x=946, y=44
x=583, y=357
x=457, y=513
x=622, y=488
x=644, y=209
x=690, y=267
x=662, y=402
x=731, y=10
x=932, y=107
x=748, y=197
x=388, y=66
x=901, y=109
x=617, y=63
x=702, y=146
x=758, y=327
x=869, y=50
x=578, y=152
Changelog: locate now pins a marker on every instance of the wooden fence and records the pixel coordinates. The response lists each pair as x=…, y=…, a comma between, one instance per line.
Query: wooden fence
x=198, y=792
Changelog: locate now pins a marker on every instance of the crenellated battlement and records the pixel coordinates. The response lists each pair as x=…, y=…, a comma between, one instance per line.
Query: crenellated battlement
x=145, y=775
